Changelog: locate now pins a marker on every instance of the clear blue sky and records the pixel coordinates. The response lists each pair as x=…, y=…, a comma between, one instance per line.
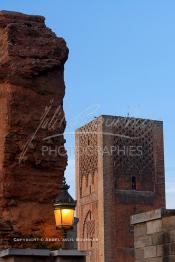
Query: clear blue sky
x=122, y=60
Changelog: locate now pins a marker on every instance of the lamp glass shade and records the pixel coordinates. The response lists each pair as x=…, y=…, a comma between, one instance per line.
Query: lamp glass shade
x=64, y=217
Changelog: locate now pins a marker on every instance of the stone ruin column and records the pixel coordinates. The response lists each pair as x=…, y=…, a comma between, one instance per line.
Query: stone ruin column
x=32, y=154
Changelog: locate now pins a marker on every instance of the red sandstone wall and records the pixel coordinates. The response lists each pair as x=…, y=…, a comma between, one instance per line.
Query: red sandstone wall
x=32, y=88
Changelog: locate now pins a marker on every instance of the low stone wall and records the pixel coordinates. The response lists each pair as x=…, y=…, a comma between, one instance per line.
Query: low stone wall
x=41, y=255
x=154, y=236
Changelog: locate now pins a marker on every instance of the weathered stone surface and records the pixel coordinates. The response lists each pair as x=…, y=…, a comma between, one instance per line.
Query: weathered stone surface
x=154, y=226
x=158, y=240
x=143, y=241
x=152, y=215
x=32, y=158
x=147, y=216
x=159, y=250
x=168, y=223
x=154, y=259
x=150, y=251
x=139, y=231
x=170, y=237
x=30, y=52
x=139, y=253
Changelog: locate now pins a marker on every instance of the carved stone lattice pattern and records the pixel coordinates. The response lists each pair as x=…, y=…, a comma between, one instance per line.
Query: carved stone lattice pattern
x=88, y=150
x=89, y=226
x=133, y=154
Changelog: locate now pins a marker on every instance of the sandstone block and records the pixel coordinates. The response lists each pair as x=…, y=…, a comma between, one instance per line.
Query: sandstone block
x=143, y=242
x=155, y=259
x=159, y=250
x=158, y=238
x=139, y=254
x=139, y=230
x=168, y=223
x=150, y=251
x=154, y=226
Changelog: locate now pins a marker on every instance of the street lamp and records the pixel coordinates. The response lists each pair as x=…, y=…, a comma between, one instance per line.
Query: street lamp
x=64, y=208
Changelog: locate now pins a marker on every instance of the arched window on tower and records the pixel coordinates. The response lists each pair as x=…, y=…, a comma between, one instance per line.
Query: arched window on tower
x=134, y=183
